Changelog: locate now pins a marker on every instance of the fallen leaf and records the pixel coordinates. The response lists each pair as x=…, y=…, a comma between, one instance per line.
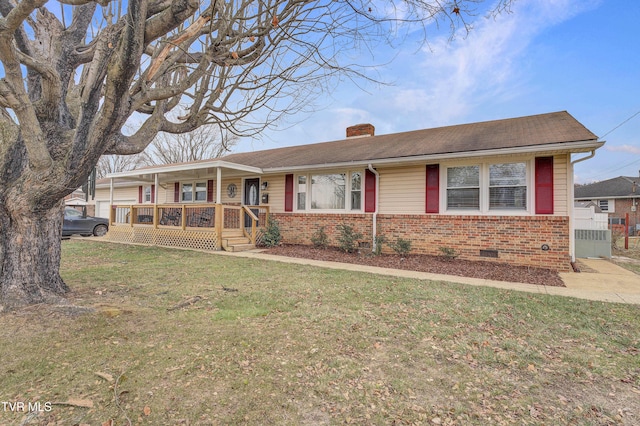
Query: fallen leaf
x=146, y=410
x=106, y=376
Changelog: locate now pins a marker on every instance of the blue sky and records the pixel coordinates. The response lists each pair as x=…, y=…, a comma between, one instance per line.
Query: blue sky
x=582, y=56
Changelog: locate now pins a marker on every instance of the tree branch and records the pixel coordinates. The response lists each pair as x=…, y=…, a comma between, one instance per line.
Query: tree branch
x=126, y=145
x=169, y=19
x=14, y=19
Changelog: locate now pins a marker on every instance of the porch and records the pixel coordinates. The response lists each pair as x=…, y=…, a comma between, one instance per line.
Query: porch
x=197, y=226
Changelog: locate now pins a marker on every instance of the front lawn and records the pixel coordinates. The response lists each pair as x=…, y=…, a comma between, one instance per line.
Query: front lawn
x=628, y=258
x=168, y=337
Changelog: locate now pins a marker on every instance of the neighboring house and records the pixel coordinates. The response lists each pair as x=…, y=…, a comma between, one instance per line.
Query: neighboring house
x=498, y=190
x=618, y=197
x=77, y=199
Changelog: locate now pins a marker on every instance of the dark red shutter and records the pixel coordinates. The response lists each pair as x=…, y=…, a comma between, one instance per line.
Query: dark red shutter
x=210, y=191
x=140, y=190
x=544, y=185
x=176, y=192
x=153, y=193
x=288, y=193
x=369, y=192
x=433, y=189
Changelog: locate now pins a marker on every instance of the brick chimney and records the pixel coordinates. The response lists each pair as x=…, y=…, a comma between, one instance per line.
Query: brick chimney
x=361, y=130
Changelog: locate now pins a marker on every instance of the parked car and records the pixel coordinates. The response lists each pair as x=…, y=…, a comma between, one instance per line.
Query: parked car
x=77, y=222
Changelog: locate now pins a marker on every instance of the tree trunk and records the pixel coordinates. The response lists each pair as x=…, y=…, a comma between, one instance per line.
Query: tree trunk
x=30, y=257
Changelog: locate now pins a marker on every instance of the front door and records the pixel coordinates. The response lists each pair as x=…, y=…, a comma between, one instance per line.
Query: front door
x=251, y=197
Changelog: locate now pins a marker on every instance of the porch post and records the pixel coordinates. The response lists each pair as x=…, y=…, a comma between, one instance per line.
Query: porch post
x=219, y=222
x=155, y=201
x=219, y=210
x=218, y=185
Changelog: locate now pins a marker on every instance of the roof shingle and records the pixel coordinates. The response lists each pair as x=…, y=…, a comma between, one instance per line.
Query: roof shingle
x=621, y=186
x=557, y=127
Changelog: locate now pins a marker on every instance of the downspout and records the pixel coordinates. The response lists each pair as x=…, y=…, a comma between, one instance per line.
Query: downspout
x=374, y=230
x=572, y=229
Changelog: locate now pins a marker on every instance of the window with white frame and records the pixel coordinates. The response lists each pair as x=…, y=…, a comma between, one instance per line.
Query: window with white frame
x=201, y=191
x=331, y=191
x=194, y=192
x=302, y=193
x=463, y=188
x=146, y=198
x=488, y=187
x=606, y=206
x=356, y=191
x=187, y=192
x=328, y=191
x=508, y=186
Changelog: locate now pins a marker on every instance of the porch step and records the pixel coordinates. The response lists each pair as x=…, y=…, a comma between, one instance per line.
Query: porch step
x=235, y=241
x=239, y=247
x=232, y=233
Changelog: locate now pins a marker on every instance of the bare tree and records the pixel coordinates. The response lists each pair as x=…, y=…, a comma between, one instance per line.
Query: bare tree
x=203, y=143
x=74, y=78
x=117, y=163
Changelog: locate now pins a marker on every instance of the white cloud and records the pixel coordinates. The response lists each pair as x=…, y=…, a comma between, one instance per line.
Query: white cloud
x=629, y=149
x=455, y=78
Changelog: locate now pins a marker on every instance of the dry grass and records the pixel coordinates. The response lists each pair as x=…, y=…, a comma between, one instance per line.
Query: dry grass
x=273, y=343
x=628, y=258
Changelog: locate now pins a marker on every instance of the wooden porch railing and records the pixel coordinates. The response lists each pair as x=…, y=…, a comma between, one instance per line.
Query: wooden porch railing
x=219, y=217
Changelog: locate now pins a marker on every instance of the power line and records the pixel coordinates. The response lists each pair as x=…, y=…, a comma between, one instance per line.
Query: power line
x=619, y=125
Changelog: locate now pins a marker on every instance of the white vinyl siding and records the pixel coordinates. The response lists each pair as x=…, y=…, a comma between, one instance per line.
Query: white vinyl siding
x=402, y=190
x=561, y=182
x=276, y=192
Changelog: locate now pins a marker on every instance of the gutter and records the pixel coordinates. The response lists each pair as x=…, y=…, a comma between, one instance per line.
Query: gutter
x=572, y=226
x=593, y=154
x=374, y=230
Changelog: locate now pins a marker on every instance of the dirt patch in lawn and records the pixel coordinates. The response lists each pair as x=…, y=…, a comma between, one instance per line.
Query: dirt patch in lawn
x=424, y=263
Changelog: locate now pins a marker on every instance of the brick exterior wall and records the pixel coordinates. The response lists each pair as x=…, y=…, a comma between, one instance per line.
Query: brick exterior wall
x=622, y=207
x=298, y=228
x=518, y=240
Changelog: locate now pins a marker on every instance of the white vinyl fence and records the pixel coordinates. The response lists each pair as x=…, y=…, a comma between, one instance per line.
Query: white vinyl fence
x=593, y=237
x=587, y=218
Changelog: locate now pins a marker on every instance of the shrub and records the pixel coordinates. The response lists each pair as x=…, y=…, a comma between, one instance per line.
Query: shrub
x=449, y=253
x=616, y=235
x=402, y=247
x=348, y=239
x=272, y=236
x=379, y=240
x=320, y=238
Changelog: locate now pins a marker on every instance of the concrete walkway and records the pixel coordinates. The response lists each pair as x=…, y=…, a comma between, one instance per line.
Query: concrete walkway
x=601, y=280
x=607, y=283
x=604, y=280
